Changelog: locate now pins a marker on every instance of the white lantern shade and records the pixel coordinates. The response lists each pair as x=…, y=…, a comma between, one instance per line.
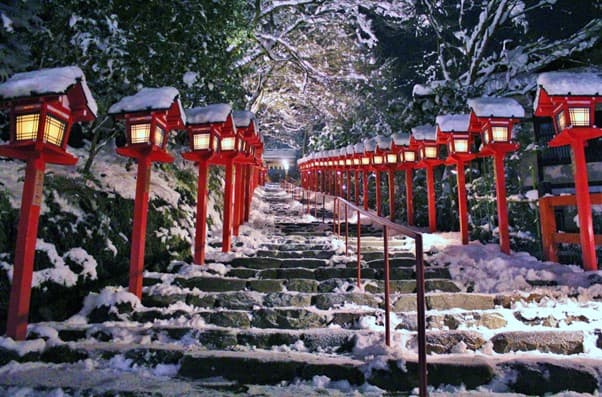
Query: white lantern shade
x=391, y=158
x=356, y=161
x=499, y=133
x=201, y=141
x=365, y=160
x=27, y=126
x=460, y=145
x=348, y=162
x=228, y=143
x=158, y=136
x=579, y=116
x=139, y=133
x=378, y=159
x=409, y=156
x=429, y=152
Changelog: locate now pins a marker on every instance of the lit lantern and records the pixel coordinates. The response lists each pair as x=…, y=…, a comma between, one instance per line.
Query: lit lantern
x=392, y=158
x=149, y=116
x=377, y=159
x=425, y=137
x=43, y=105
x=244, y=161
x=572, y=100
x=409, y=156
x=493, y=119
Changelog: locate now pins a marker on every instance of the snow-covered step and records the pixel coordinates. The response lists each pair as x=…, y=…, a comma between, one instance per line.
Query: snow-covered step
x=280, y=254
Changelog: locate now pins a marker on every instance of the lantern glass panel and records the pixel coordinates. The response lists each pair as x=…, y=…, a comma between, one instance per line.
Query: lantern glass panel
x=461, y=145
x=54, y=130
x=561, y=121
x=341, y=162
x=409, y=156
x=27, y=126
x=579, y=116
x=499, y=133
x=201, y=141
x=365, y=160
x=391, y=158
x=158, y=136
x=139, y=133
x=228, y=143
x=378, y=159
x=348, y=162
x=356, y=161
x=430, y=152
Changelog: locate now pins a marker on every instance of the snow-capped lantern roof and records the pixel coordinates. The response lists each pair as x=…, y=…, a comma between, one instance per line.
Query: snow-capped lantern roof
x=67, y=81
x=210, y=114
x=425, y=132
x=148, y=100
x=495, y=107
x=369, y=145
x=453, y=122
x=556, y=88
x=243, y=118
x=358, y=148
x=401, y=139
x=349, y=150
x=384, y=142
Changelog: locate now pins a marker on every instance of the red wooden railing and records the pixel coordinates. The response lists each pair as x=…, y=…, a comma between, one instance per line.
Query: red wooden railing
x=550, y=236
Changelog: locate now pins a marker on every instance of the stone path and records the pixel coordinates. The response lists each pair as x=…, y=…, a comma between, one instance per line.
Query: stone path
x=292, y=313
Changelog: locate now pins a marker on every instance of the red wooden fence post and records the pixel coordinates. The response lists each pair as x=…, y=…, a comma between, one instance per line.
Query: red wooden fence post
x=432, y=204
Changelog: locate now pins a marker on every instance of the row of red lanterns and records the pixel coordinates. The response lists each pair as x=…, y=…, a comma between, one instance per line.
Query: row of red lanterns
x=43, y=105
x=570, y=99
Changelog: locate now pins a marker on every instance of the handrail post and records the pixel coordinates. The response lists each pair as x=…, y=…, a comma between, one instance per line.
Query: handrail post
x=421, y=316
x=359, y=251
x=346, y=232
x=323, y=208
x=387, y=301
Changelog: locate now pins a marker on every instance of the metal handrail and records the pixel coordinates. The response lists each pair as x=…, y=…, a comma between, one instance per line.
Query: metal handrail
x=420, y=288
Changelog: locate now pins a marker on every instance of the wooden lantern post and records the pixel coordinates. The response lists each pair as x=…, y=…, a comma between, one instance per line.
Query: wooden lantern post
x=493, y=119
x=571, y=99
x=348, y=168
x=369, y=154
x=245, y=124
x=453, y=131
x=406, y=158
x=204, y=126
x=42, y=105
x=358, y=151
x=425, y=137
x=149, y=117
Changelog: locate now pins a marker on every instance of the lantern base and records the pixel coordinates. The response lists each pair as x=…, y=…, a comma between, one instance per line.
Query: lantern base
x=198, y=156
x=454, y=159
x=148, y=152
x=31, y=150
x=428, y=163
x=498, y=147
x=566, y=136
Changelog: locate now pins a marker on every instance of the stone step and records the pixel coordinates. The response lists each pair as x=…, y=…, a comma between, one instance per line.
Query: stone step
x=529, y=375
x=297, y=247
x=272, y=263
x=318, y=283
x=313, y=254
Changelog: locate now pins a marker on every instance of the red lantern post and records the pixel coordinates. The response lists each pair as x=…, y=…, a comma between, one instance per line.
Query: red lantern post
x=245, y=125
x=149, y=117
x=425, y=137
x=358, y=150
x=43, y=105
x=493, y=119
x=204, y=126
x=572, y=99
x=452, y=130
x=390, y=160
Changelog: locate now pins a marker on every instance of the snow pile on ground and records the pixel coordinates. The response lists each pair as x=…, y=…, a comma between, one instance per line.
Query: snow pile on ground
x=108, y=296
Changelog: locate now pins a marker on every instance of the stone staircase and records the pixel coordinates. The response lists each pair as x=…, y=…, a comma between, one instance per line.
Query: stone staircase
x=293, y=312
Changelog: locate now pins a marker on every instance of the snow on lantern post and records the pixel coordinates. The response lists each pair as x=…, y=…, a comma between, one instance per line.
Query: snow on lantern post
x=493, y=119
x=204, y=125
x=149, y=117
x=407, y=160
x=571, y=100
x=43, y=105
x=358, y=153
x=245, y=125
x=453, y=131
x=425, y=137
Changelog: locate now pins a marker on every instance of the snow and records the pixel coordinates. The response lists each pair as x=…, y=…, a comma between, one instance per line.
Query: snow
x=108, y=296
x=453, y=122
x=571, y=83
x=46, y=81
x=369, y=145
x=496, y=107
x=215, y=113
x=384, y=142
x=243, y=118
x=7, y=23
x=358, y=148
x=148, y=99
x=424, y=133
x=427, y=89
x=189, y=78
x=22, y=347
x=401, y=139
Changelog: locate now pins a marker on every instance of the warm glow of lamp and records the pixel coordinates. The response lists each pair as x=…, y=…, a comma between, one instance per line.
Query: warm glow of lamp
x=139, y=133
x=579, y=116
x=460, y=145
x=429, y=152
x=201, y=141
x=391, y=158
x=365, y=160
x=228, y=143
x=158, y=136
x=561, y=121
x=356, y=161
x=27, y=126
x=348, y=162
x=285, y=165
x=378, y=159
x=54, y=130
x=409, y=156
x=341, y=162
x=499, y=133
